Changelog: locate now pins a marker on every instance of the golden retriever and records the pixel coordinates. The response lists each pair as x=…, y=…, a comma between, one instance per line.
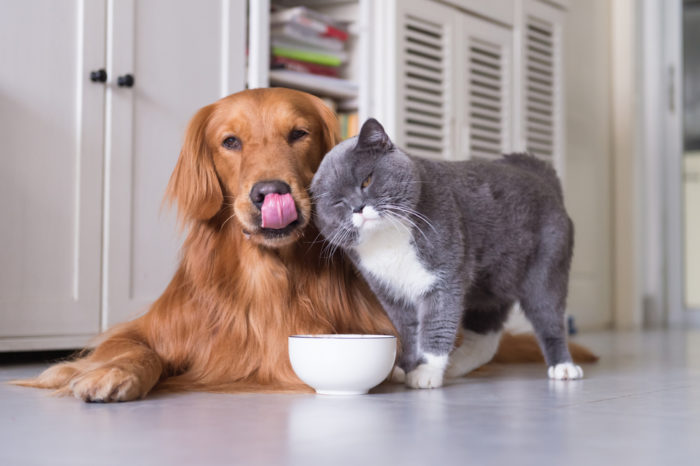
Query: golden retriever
x=240, y=289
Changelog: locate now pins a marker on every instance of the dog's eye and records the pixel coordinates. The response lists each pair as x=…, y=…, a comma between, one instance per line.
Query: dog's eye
x=367, y=181
x=296, y=134
x=232, y=143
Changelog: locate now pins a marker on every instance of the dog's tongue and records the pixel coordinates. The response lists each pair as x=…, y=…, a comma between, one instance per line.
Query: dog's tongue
x=278, y=211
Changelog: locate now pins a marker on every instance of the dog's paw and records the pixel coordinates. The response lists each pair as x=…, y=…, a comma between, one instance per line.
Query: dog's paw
x=425, y=376
x=105, y=384
x=398, y=375
x=565, y=371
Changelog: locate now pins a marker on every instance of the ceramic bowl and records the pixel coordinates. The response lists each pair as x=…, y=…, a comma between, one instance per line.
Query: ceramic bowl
x=342, y=364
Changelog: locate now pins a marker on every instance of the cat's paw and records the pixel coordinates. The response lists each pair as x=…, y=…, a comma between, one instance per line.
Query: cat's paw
x=425, y=376
x=565, y=371
x=398, y=375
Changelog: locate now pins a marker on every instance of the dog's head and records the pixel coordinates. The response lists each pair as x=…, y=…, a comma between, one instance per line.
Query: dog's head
x=249, y=159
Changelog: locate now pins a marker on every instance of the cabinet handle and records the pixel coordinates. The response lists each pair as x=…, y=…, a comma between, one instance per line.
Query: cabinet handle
x=98, y=76
x=125, y=81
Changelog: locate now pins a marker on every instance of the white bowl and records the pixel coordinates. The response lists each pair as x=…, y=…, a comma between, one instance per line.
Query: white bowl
x=342, y=364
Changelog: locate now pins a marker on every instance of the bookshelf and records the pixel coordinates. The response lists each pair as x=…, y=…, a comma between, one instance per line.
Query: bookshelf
x=328, y=67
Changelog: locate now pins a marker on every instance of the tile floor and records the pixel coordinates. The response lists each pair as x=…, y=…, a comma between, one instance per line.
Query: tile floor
x=640, y=405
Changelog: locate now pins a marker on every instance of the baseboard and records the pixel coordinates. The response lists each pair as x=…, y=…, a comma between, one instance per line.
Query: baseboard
x=36, y=343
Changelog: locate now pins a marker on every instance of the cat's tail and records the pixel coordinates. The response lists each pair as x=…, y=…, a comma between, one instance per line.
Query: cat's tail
x=532, y=164
x=523, y=348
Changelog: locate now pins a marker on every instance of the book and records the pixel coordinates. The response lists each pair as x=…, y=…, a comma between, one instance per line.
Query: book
x=283, y=49
x=320, y=85
x=322, y=24
x=348, y=124
x=284, y=63
x=353, y=125
x=301, y=35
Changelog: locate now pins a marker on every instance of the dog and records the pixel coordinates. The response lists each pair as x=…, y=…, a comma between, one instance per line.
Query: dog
x=253, y=269
x=242, y=286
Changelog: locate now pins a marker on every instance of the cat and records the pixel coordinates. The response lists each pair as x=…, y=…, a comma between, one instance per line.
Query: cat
x=449, y=248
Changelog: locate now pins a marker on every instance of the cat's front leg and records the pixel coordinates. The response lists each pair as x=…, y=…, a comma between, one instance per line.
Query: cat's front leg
x=439, y=314
x=405, y=319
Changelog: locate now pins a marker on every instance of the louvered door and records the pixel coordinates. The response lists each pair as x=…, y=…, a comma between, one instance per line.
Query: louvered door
x=540, y=126
x=425, y=43
x=484, y=83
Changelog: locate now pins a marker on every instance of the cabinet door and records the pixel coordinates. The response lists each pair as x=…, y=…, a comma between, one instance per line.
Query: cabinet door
x=539, y=128
x=183, y=55
x=51, y=125
x=423, y=62
x=484, y=96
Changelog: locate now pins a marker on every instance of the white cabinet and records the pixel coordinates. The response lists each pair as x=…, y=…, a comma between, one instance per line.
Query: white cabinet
x=539, y=81
x=51, y=126
x=461, y=85
x=84, y=242
x=454, y=75
x=484, y=89
x=425, y=61
x=182, y=55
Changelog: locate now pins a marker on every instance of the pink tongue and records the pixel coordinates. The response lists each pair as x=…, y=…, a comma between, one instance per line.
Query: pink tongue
x=278, y=211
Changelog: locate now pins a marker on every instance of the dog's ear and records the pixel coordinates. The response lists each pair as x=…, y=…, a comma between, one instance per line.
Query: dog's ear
x=330, y=127
x=194, y=185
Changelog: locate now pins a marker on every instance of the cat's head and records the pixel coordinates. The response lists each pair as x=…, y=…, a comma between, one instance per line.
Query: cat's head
x=364, y=184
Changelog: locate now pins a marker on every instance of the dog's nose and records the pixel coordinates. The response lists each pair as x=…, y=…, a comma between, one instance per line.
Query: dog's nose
x=263, y=188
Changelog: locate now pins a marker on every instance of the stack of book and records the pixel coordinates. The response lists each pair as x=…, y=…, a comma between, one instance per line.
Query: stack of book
x=347, y=117
x=308, y=51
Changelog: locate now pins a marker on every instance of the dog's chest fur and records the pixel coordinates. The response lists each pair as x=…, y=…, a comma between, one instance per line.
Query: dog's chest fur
x=389, y=255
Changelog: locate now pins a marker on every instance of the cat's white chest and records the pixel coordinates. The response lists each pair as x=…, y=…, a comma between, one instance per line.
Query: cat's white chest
x=388, y=254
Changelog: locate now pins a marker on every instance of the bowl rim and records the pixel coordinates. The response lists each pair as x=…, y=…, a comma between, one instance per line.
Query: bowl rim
x=343, y=336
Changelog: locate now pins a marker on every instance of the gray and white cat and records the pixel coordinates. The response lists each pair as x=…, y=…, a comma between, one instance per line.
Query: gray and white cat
x=450, y=247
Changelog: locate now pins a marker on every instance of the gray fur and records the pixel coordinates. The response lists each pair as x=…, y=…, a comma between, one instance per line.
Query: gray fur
x=495, y=233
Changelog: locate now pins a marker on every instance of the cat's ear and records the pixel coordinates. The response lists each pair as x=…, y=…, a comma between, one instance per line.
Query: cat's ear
x=372, y=135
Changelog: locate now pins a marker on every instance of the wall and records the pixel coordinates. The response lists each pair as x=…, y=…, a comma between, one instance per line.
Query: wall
x=691, y=159
x=691, y=192
x=588, y=194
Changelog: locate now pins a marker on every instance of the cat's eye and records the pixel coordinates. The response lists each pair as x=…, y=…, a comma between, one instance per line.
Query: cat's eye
x=296, y=134
x=232, y=143
x=367, y=181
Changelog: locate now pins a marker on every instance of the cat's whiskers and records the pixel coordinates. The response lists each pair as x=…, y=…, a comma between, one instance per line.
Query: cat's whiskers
x=391, y=210
x=319, y=196
x=339, y=236
x=397, y=222
x=401, y=219
x=334, y=247
x=328, y=246
x=413, y=212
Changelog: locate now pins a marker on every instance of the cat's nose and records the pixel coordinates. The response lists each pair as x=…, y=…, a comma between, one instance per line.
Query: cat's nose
x=358, y=209
x=263, y=188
